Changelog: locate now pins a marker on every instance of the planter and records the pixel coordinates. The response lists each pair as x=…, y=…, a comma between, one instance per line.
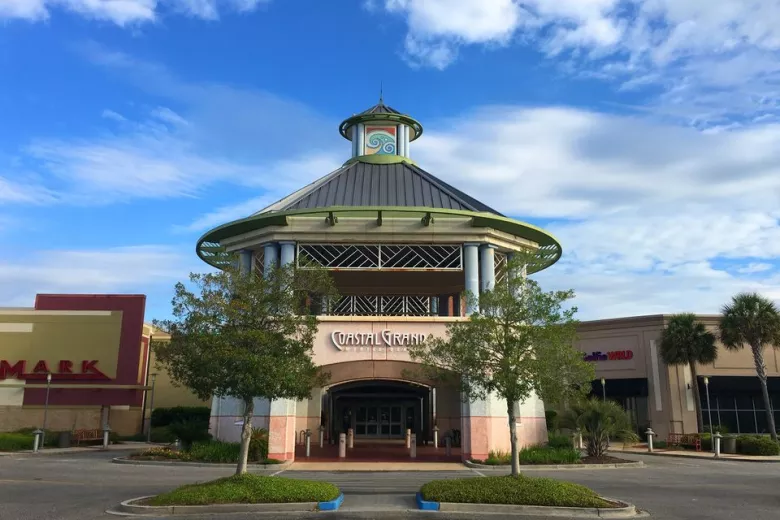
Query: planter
x=729, y=444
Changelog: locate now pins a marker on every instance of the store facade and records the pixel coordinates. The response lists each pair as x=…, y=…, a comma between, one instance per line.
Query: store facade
x=404, y=248
x=626, y=354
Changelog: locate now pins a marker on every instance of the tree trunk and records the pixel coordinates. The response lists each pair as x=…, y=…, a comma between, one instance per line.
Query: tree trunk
x=510, y=405
x=246, y=435
x=758, y=358
x=697, y=399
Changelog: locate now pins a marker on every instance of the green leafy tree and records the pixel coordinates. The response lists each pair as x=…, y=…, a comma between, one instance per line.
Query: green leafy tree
x=686, y=341
x=599, y=421
x=246, y=337
x=521, y=344
x=750, y=319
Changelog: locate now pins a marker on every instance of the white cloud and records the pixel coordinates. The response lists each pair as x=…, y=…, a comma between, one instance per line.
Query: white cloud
x=645, y=212
x=29, y=192
x=714, y=60
x=115, y=116
x=123, y=12
x=121, y=269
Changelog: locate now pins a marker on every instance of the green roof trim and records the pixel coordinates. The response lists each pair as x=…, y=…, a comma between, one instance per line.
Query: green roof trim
x=209, y=250
x=380, y=159
x=383, y=118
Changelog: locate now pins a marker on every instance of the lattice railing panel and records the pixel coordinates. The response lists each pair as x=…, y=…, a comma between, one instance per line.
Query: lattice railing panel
x=381, y=256
x=366, y=305
x=258, y=262
x=500, y=261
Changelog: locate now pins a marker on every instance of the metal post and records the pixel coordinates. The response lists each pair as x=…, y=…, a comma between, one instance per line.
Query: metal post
x=342, y=445
x=350, y=438
x=408, y=437
x=436, y=437
x=603, y=389
x=106, y=431
x=151, y=410
x=322, y=436
x=716, y=438
x=45, y=410
x=413, y=449
x=308, y=443
x=448, y=446
x=709, y=410
x=36, y=440
x=650, y=434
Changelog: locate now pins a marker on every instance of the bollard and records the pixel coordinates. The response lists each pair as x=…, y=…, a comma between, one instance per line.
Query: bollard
x=413, y=449
x=436, y=437
x=650, y=433
x=579, y=440
x=342, y=445
x=106, y=431
x=308, y=443
x=350, y=438
x=716, y=442
x=448, y=446
x=408, y=437
x=37, y=440
x=322, y=436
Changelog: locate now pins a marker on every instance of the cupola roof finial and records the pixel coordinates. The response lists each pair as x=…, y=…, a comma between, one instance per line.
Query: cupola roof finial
x=381, y=94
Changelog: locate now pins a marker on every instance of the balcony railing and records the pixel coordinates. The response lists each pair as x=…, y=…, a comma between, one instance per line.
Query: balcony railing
x=367, y=305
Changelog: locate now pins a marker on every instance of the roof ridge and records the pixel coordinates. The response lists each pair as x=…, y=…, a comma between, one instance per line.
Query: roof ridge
x=298, y=194
x=452, y=191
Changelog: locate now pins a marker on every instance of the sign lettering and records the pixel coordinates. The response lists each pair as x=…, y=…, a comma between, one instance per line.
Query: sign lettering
x=18, y=370
x=614, y=355
x=384, y=339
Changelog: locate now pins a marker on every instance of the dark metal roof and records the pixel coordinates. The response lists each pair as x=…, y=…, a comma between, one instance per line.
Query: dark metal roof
x=380, y=108
x=363, y=184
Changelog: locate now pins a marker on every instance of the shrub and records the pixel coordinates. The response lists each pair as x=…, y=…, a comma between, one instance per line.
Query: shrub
x=498, y=458
x=548, y=455
x=249, y=489
x=599, y=421
x=258, y=445
x=177, y=414
x=190, y=431
x=520, y=490
x=559, y=441
x=15, y=441
x=162, y=434
x=215, y=451
x=162, y=453
x=757, y=445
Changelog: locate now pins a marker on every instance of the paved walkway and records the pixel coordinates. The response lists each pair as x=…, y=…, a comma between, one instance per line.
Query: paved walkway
x=694, y=454
x=125, y=446
x=372, y=466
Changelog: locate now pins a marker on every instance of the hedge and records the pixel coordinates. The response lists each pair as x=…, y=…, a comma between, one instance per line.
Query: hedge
x=757, y=445
x=180, y=414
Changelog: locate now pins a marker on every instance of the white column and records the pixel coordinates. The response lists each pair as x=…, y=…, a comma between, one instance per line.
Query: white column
x=487, y=267
x=399, y=141
x=353, y=133
x=361, y=137
x=471, y=273
x=245, y=261
x=406, y=141
x=270, y=256
x=287, y=255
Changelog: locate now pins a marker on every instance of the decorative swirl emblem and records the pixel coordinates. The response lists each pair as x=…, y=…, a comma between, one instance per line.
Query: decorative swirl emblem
x=380, y=142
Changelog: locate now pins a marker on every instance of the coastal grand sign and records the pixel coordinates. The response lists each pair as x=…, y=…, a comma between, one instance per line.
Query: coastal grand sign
x=387, y=339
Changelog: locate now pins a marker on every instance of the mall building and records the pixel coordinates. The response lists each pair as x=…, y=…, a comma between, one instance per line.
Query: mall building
x=403, y=247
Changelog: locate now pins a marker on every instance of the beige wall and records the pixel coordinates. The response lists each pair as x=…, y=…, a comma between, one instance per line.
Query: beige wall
x=124, y=421
x=166, y=394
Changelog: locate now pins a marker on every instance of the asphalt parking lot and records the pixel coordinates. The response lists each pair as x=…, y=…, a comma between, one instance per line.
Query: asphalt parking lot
x=83, y=486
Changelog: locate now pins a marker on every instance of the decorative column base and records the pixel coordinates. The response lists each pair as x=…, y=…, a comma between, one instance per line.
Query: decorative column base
x=281, y=430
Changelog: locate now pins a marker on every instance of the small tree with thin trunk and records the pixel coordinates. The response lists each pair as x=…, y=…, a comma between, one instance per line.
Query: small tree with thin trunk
x=521, y=344
x=750, y=319
x=245, y=336
x=686, y=341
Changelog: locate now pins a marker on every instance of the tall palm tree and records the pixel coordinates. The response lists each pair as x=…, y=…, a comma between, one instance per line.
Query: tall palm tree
x=686, y=341
x=753, y=320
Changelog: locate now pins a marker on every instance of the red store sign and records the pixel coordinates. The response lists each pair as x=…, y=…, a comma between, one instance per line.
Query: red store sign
x=613, y=355
x=65, y=370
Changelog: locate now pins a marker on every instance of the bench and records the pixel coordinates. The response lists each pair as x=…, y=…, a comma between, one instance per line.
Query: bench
x=87, y=435
x=684, y=439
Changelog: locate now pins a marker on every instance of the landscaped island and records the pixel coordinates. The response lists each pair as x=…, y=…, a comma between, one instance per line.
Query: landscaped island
x=247, y=489
x=520, y=490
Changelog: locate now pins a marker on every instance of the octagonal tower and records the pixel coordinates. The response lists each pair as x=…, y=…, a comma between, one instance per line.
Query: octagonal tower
x=404, y=247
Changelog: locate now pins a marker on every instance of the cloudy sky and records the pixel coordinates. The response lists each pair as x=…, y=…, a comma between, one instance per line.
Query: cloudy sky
x=643, y=133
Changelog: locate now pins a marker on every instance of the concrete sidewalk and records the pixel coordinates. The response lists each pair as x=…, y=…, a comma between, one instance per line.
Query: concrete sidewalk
x=125, y=446
x=694, y=454
x=377, y=467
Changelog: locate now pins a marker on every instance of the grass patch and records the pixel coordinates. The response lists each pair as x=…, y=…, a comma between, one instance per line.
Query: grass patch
x=15, y=442
x=248, y=489
x=212, y=451
x=522, y=490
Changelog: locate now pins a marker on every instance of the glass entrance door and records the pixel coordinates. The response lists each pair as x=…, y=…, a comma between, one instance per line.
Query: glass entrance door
x=378, y=421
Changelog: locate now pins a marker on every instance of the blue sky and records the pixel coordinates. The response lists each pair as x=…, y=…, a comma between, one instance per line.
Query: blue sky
x=644, y=134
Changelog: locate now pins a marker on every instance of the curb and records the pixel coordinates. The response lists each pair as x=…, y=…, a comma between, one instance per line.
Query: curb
x=683, y=456
x=123, y=460
x=539, y=467
x=130, y=508
x=625, y=510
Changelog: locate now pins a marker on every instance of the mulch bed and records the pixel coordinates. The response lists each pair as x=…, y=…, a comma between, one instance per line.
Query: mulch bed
x=606, y=459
